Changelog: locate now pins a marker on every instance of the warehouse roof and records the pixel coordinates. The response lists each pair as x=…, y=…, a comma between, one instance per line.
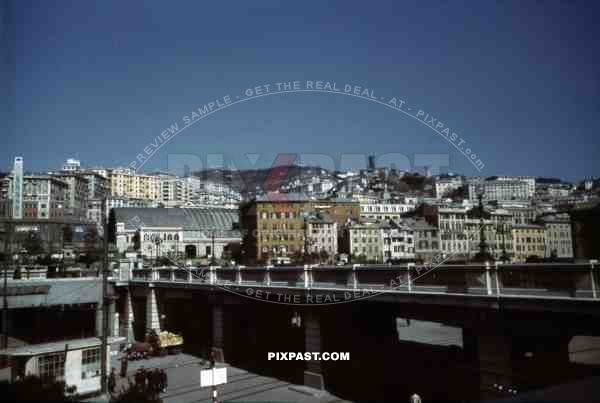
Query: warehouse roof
x=189, y=219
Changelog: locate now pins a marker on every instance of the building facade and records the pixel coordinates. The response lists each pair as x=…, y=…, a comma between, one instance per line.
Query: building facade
x=363, y=241
x=277, y=226
x=500, y=190
x=559, y=241
x=443, y=185
x=529, y=241
x=398, y=241
x=190, y=233
x=44, y=197
x=321, y=234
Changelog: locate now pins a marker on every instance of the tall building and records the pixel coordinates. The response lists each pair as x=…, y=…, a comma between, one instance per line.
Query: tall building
x=16, y=188
x=76, y=198
x=44, y=197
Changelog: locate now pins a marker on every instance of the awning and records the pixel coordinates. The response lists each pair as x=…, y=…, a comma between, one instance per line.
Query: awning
x=59, y=346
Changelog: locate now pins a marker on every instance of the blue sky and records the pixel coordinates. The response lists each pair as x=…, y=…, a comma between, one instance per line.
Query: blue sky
x=518, y=81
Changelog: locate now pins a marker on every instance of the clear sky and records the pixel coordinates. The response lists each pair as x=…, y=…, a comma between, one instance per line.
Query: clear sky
x=99, y=81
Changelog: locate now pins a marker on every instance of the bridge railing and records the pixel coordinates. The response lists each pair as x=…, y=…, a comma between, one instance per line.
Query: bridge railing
x=548, y=280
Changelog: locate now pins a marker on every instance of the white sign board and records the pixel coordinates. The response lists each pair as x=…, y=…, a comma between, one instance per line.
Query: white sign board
x=213, y=377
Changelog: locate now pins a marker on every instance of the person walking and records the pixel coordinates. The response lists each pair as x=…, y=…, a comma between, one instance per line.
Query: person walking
x=163, y=380
x=112, y=381
x=156, y=387
x=124, y=362
x=149, y=380
x=140, y=378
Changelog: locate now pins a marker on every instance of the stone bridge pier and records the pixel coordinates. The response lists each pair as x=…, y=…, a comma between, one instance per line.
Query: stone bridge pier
x=498, y=350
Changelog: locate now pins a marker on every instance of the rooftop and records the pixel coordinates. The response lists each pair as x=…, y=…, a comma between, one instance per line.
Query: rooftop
x=189, y=219
x=59, y=346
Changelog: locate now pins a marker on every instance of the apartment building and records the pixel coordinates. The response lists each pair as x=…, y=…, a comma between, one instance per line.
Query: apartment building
x=427, y=239
x=363, y=241
x=460, y=232
x=76, y=197
x=124, y=182
x=446, y=184
x=529, y=241
x=500, y=190
x=44, y=197
x=277, y=228
x=529, y=181
x=558, y=237
x=398, y=241
x=321, y=234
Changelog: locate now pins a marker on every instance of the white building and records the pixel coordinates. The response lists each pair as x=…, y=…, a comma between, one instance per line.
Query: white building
x=529, y=180
x=321, y=234
x=500, y=190
x=365, y=240
x=71, y=165
x=185, y=232
x=398, y=241
x=384, y=211
x=445, y=184
x=16, y=188
x=460, y=232
x=76, y=362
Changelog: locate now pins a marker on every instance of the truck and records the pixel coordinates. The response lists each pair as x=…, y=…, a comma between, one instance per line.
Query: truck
x=165, y=343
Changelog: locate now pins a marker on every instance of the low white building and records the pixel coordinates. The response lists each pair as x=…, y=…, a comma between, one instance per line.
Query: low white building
x=76, y=362
x=189, y=232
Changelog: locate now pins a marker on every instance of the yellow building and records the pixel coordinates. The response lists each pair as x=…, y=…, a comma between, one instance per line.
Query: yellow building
x=528, y=240
x=126, y=183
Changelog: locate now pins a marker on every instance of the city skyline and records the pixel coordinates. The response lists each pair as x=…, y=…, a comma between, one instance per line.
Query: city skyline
x=108, y=92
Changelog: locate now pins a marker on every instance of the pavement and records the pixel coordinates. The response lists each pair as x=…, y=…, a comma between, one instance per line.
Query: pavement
x=183, y=373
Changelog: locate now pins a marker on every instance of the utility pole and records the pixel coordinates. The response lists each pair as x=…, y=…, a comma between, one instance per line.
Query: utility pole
x=7, y=258
x=212, y=258
x=105, y=319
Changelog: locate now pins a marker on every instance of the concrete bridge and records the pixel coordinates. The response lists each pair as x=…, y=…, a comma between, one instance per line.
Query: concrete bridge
x=457, y=332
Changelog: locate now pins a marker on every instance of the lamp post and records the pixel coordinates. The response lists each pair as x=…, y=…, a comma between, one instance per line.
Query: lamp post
x=504, y=257
x=483, y=254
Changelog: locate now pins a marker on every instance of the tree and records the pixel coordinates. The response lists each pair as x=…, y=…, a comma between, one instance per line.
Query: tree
x=91, y=246
x=112, y=227
x=33, y=243
x=323, y=256
x=67, y=234
x=35, y=389
x=297, y=257
x=137, y=243
x=133, y=393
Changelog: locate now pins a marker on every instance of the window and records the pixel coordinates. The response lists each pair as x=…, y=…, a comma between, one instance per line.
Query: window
x=52, y=365
x=90, y=363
